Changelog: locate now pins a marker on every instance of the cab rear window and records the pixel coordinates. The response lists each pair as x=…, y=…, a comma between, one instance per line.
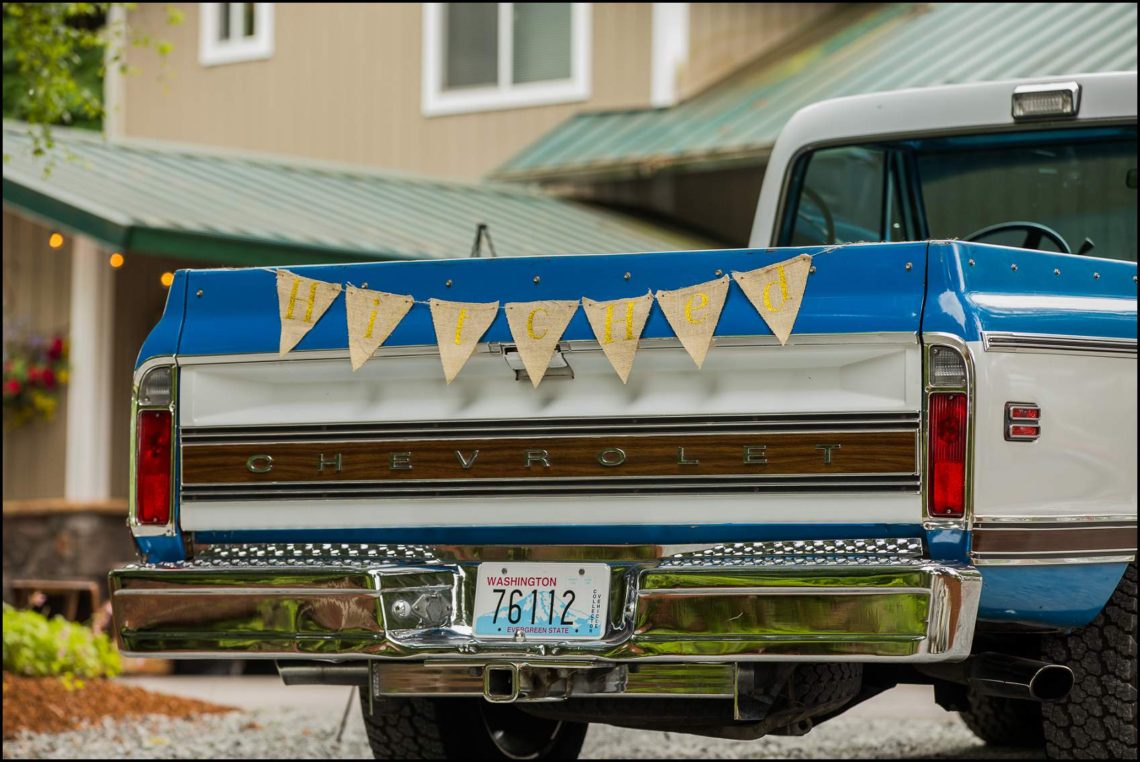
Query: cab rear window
x=1071, y=190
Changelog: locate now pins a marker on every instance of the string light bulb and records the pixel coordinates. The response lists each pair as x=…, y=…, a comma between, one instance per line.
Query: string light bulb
x=55, y=240
x=116, y=260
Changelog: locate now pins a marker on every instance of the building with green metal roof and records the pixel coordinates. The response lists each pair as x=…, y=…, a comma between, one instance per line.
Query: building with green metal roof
x=225, y=206
x=701, y=161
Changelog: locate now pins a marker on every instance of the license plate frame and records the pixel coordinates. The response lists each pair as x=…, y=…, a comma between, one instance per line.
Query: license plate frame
x=580, y=593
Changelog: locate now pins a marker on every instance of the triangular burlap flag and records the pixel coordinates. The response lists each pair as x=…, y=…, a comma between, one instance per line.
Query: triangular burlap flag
x=301, y=303
x=693, y=312
x=777, y=291
x=458, y=328
x=537, y=327
x=372, y=316
x=618, y=325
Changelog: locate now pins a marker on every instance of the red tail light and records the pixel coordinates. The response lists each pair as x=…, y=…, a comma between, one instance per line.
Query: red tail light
x=947, y=496
x=153, y=467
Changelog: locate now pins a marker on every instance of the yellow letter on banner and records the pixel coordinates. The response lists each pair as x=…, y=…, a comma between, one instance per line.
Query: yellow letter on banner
x=791, y=275
x=783, y=291
x=320, y=297
x=690, y=307
x=620, y=352
x=530, y=324
x=693, y=313
x=459, y=326
x=292, y=298
x=537, y=347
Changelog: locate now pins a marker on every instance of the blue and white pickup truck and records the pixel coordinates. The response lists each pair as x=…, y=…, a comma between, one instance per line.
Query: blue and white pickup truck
x=933, y=480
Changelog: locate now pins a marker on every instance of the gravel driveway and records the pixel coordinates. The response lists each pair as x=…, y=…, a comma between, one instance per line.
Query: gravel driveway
x=303, y=722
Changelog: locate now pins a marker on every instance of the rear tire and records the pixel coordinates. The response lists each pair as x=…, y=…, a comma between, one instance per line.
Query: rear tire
x=1098, y=718
x=465, y=729
x=1004, y=722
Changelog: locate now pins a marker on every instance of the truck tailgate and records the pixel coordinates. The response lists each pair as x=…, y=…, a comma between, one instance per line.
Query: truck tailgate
x=822, y=430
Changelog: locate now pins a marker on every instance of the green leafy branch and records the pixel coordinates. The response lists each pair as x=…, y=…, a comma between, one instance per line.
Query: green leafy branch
x=55, y=58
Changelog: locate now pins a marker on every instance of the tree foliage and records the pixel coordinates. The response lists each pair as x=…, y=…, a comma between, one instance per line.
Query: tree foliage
x=55, y=59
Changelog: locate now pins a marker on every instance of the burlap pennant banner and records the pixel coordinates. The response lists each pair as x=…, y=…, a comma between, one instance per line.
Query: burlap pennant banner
x=536, y=328
x=458, y=328
x=777, y=291
x=301, y=303
x=618, y=325
x=693, y=313
x=372, y=316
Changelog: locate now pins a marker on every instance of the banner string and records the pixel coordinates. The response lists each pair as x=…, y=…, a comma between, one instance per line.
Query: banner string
x=503, y=307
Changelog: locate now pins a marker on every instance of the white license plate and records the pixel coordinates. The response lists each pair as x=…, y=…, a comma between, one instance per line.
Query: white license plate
x=544, y=601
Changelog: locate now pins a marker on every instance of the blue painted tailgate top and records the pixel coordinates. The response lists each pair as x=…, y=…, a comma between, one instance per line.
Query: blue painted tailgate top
x=856, y=288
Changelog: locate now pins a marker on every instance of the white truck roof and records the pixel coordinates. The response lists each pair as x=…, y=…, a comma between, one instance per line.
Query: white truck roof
x=951, y=109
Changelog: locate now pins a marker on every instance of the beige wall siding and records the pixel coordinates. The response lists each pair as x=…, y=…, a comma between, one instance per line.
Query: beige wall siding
x=344, y=84
x=725, y=36
x=37, y=296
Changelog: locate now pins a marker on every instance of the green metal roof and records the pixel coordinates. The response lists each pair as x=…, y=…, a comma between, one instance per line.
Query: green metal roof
x=900, y=46
x=231, y=207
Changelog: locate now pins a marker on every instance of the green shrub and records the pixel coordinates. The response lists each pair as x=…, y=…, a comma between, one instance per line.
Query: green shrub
x=40, y=647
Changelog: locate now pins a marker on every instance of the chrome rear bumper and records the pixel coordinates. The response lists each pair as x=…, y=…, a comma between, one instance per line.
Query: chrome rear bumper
x=832, y=600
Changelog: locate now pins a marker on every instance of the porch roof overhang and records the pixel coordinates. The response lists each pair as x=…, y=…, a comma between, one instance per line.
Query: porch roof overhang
x=240, y=208
x=736, y=122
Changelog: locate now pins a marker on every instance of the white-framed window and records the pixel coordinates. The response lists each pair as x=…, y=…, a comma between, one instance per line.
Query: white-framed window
x=485, y=56
x=232, y=32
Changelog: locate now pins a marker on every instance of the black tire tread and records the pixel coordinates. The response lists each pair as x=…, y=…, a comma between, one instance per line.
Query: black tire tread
x=403, y=729
x=415, y=728
x=1004, y=722
x=1098, y=718
x=825, y=684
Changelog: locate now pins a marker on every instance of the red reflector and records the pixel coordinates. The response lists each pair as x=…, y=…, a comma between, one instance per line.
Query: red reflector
x=153, y=467
x=1023, y=431
x=1032, y=413
x=947, y=495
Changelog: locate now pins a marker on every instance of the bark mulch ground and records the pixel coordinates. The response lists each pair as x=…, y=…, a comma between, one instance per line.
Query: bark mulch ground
x=48, y=705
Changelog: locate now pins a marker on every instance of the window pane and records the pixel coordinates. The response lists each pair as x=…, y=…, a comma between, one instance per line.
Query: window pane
x=541, y=42
x=471, y=47
x=224, y=21
x=1078, y=188
x=247, y=10
x=841, y=200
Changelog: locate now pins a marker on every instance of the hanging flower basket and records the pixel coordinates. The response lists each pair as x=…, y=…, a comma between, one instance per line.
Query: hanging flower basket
x=35, y=373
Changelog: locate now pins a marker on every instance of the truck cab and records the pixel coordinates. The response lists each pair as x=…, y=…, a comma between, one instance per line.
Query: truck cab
x=928, y=477
x=1048, y=165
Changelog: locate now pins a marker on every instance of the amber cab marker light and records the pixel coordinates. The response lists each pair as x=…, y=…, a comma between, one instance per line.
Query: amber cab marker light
x=947, y=416
x=55, y=240
x=167, y=279
x=116, y=260
x=154, y=464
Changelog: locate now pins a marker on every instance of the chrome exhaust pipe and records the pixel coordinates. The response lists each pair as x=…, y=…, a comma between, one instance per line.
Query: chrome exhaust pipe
x=994, y=674
x=323, y=674
x=1017, y=678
